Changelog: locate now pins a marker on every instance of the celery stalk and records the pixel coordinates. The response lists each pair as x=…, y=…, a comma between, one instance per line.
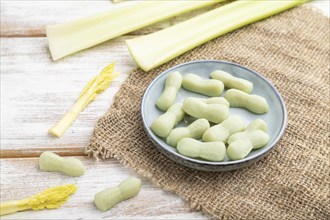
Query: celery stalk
x=96, y=86
x=65, y=39
x=152, y=50
x=50, y=198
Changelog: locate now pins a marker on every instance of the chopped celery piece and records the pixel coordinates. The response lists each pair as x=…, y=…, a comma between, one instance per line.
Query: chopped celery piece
x=152, y=50
x=50, y=198
x=94, y=87
x=68, y=38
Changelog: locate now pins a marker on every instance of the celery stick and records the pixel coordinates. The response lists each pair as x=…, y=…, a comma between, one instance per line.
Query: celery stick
x=65, y=39
x=157, y=48
x=94, y=87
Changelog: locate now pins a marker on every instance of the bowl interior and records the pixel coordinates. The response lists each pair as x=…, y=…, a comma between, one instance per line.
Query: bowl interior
x=275, y=118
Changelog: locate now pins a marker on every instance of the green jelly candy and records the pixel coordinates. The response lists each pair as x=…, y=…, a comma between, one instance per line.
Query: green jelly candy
x=51, y=162
x=253, y=103
x=168, y=96
x=257, y=124
x=162, y=125
x=208, y=87
x=110, y=197
x=211, y=151
x=222, y=131
x=232, y=82
x=194, y=130
x=215, y=113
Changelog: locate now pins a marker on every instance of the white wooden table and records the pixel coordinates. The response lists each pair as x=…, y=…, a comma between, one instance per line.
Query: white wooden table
x=35, y=94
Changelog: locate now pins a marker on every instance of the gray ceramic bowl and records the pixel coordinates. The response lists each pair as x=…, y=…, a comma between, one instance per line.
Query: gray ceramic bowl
x=275, y=118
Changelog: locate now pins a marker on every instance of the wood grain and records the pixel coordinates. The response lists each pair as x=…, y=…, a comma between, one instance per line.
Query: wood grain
x=37, y=92
x=21, y=178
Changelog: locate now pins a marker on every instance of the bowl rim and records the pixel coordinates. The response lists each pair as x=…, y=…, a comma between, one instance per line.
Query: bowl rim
x=256, y=156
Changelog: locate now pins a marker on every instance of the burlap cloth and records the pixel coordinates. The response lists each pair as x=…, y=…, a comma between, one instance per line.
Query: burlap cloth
x=290, y=49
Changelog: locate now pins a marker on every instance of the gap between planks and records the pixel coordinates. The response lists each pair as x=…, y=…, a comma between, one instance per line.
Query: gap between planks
x=35, y=152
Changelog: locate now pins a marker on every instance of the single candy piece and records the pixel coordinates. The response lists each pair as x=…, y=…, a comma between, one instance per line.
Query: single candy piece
x=188, y=119
x=222, y=131
x=51, y=162
x=172, y=86
x=253, y=103
x=211, y=151
x=242, y=147
x=213, y=100
x=239, y=149
x=162, y=125
x=257, y=124
x=215, y=113
x=209, y=87
x=194, y=130
x=232, y=82
x=110, y=197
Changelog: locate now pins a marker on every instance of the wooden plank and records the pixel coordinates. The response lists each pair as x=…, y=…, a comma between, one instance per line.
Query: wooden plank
x=36, y=92
x=29, y=18
x=35, y=152
x=21, y=178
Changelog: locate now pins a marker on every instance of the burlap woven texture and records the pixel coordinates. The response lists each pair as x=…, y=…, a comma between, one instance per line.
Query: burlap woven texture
x=290, y=49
